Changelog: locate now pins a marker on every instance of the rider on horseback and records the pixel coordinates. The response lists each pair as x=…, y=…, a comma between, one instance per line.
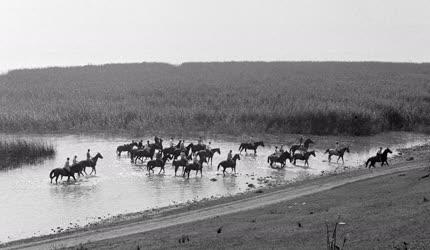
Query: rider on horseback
x=379, y=153
x=140, y=145
x=67, y=165
x=337, y=147
x=301, y=141
x=281, y=150
x=276, y=150
x=88, y=155
x=182, y=145
x=208, y=147
x=200, y=141
x=230, y=155
x=171, y=142
x=75, y=160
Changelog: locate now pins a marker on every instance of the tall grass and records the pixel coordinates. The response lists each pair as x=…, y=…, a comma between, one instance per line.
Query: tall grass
x=236, y=97
x=16, y=152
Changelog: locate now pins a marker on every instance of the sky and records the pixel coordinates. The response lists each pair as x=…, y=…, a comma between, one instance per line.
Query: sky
x=78, y=32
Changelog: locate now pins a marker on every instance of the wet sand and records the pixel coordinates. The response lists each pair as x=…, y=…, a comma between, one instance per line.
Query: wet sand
x=392, y=205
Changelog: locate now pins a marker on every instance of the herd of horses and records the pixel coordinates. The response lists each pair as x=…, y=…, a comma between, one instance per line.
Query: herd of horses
x=138, y=152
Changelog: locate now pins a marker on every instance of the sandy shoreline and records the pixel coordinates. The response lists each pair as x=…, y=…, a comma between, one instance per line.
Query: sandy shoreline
x=314, y=185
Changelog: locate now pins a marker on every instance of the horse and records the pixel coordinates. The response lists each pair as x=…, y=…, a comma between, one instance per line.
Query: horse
x=180, y=163
x=126, y=148
x=250, y=146
x=194, y=166
x=157, y=163
x=303, y=157
x=279, y=158
x=140, y=154
x=382, y=158
x=338, y=153
x=303, y=147
x=211, y=154
x=229, y=164
x=89, y=164
x=196, y=148
x=57, y=172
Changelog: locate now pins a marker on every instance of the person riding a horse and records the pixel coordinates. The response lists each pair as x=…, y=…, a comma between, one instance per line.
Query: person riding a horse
x=230, y=155
x=88, y=155
x=276, y=151
x=301, y=141
x=67, y=165
x=379, y=153
x=140, y=145
x=337, y=147
x=171, y=142
x=281, y=150
x=200, y=141
x=209, y=147
x=183, y=157
x=195, y=160
x=75, y=160
x=182, y=145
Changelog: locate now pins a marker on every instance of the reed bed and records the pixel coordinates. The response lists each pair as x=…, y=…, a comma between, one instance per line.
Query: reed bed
x=232, y=98
x=19, y=151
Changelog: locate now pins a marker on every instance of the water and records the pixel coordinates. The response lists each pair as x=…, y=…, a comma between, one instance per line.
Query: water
x=31, y=206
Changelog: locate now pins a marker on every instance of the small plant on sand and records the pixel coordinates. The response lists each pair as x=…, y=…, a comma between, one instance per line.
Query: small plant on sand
x=332, y=240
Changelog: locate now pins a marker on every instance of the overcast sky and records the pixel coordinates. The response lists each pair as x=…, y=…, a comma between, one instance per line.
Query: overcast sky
x=77, y=32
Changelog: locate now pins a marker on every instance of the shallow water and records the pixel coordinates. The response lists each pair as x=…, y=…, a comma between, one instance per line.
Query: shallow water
x=31, y=206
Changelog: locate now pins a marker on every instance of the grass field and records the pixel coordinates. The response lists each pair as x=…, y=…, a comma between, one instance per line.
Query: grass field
x=232, y=98
x=16, y=152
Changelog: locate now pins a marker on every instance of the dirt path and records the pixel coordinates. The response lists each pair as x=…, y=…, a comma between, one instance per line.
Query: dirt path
x=289, y=193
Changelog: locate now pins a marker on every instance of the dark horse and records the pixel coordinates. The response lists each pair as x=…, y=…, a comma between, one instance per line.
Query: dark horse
x=229, y=164
x=250, y=146
x=157, y=163
x=194, y=166
x=196, y=148
x=57, y=172
x=303, y=157
x=279, y=158
x=382, y=158
x=142, y=153
x=126, y=148
x=211, y=154
x=303, y=147
x=208, y=154
x=338, y=153
x=180, y=163
x=89, y=164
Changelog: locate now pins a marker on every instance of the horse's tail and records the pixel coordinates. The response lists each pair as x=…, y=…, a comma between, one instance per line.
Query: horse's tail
x=52, y=174
x=268, y=159
x=367, y=162
x=218, y=166
x=240, y=147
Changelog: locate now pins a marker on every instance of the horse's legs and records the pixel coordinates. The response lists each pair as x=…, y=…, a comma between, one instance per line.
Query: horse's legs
x=255, y=151
x=74, y=177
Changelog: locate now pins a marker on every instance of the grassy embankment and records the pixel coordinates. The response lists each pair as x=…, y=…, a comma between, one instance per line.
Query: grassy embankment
x=16, y=152
x=388, y=212
x=231, y=98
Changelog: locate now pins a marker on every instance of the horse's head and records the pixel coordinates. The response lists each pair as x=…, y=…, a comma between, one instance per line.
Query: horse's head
x=217, y=150
x=259, y=143
x=346, y=149
x=388, y=151
x=98, y=155
x=236, y=157
x=312, y=153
